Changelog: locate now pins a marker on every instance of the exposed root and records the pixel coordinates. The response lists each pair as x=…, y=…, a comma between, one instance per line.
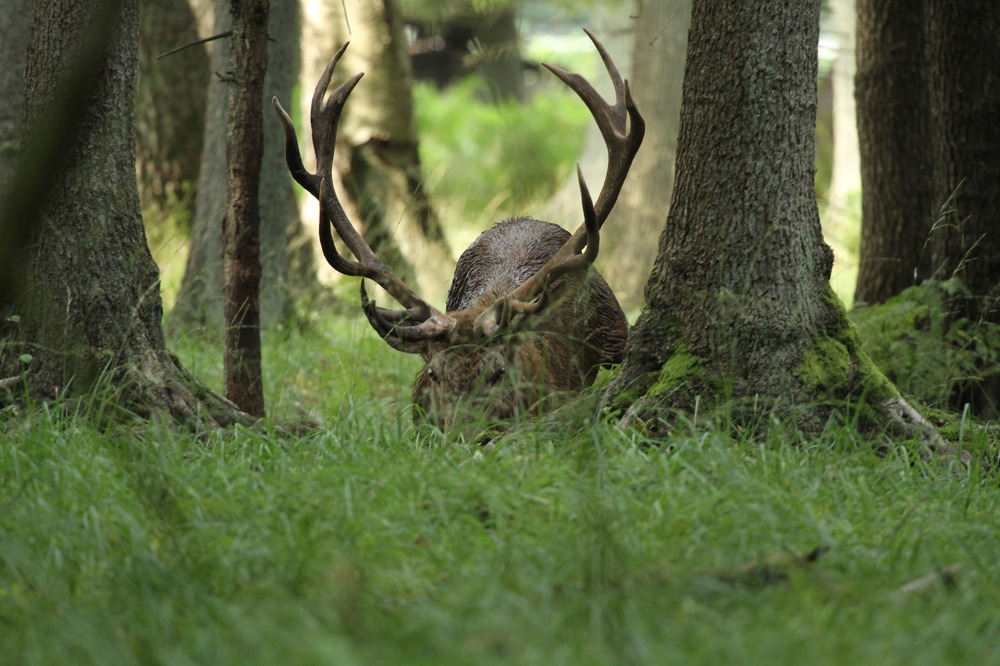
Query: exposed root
x=222, y=411
x=945, y=577
x=907, y=422
x=774, y=569
x=7, y=389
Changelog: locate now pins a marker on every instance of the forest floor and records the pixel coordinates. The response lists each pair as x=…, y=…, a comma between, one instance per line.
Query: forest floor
x=366, y=540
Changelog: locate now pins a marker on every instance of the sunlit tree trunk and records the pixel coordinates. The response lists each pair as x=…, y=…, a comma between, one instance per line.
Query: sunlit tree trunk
x=659, y=45
x=377, y=158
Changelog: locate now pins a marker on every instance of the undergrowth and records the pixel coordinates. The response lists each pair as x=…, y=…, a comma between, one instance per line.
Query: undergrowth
x=928, y=351
x=485, y=161
x=366, y=540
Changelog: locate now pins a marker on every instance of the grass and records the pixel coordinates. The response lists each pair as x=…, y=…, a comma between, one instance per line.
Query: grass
x=369, y=541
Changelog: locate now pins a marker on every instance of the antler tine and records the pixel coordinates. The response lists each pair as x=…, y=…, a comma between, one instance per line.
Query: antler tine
x=324, y=118
x=533, y=294
x=623, y=128
x=396, y=328
x=387, y=322
x=621, y=125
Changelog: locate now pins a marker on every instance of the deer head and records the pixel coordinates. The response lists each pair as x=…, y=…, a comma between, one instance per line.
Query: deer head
x=528, y=318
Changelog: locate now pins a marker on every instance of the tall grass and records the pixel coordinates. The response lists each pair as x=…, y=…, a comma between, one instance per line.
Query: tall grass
x=370, y=541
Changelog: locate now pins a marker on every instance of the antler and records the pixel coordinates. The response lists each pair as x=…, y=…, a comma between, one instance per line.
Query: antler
x=623, y=128
x=422, y=321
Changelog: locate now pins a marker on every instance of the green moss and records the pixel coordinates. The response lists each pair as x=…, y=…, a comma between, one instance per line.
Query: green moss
x=836, y=363
x=825, y=365
x=677, y=369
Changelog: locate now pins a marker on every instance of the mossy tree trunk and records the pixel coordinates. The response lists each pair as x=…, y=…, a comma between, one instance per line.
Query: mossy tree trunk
x=740, y=316
x=931, y=159
x=90, y=304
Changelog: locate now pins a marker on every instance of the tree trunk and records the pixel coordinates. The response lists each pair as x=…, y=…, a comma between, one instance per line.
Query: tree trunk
x=13, y=49
x=740, y=315
x=659, y=46
x=963, y=62
x=377, y=156
x=286, y=260
x=286, y=251
x=91, y=306
x=894, y=140
x=241, y=230
x=497, y=56
x=13, y=52
x=199, y=302
x=169, y=126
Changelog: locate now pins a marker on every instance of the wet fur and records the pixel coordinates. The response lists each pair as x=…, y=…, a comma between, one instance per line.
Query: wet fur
x=540, y=358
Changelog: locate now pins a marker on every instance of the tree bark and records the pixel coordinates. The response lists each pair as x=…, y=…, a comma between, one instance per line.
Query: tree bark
x=241, y=230
x=377, y=157
x=962, y=42
x=14, y=26
x=740, y=316
x=90, y=301
x=13, y=50
x=894, y=140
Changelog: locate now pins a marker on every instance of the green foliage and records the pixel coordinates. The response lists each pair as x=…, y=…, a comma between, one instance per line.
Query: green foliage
x=368, y=541
x=922, y=347
x=488, y=161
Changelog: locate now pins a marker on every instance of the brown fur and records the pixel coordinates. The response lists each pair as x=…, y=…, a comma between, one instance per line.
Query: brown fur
x=537, y=360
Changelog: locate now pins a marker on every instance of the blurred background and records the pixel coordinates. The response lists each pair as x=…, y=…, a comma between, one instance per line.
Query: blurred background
x=454, y=127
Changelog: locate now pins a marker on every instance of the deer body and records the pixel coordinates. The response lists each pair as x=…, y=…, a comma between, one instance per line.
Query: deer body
x=528, y=318
x=535, y=363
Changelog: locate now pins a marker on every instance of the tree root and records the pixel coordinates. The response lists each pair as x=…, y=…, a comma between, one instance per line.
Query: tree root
x=905, y=421
x=7, y=388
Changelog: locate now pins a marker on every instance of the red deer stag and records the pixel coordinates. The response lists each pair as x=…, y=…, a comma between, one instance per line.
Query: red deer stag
x=528, y=318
